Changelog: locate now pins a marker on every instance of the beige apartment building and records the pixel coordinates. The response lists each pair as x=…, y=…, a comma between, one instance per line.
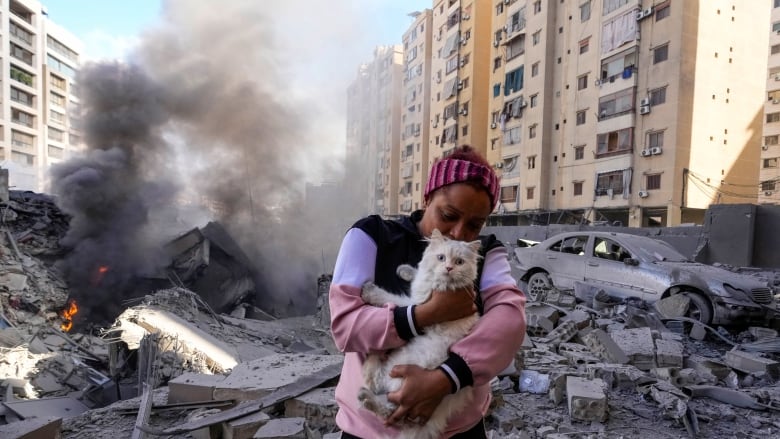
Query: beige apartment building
x=769, y=171
x=374, y=131
x=39, y=61
x=617, y=111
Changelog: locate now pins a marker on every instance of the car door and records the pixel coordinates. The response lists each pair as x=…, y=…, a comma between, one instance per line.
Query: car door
x=606, y=268
x=565, y=260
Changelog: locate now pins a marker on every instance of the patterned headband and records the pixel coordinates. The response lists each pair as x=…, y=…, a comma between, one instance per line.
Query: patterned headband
x=449, y=171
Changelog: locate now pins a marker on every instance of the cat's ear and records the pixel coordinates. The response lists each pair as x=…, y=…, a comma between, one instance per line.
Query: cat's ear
x=475, y=245
x=436, y=234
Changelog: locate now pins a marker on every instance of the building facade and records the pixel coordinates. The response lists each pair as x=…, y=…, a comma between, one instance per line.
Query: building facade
x=39, y=105
x=616, y=111
x=769, y=170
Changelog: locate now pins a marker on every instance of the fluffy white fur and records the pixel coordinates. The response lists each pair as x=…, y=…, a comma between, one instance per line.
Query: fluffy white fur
x=446, y=265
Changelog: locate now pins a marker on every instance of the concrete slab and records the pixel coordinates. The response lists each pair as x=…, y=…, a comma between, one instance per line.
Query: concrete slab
x=257, y=378
x=33, y=428
x=61, y=407
x=285, y=428
x=317, y=406
x=193, y=387
x=245, y=427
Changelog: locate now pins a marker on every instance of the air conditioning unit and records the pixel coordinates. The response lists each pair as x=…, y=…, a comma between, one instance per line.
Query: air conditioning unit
x=506, y=28
x=460, y=84
x=644, y=102
x=648, y=12
x=493, y=125
x=767, y=193
x=656, y=150
x=435, y=125
x=466, y=16
x=764, y=147
x=464, y=111
x=777, y=77
x=646, y=153
x=506, y=2
x=597, y=82
x=496, y=43
x=463, y=62
x=640, y=15
x=644, y=109
x=500, y=165
x=523, y=103
x=438, y=37
x=464, y=42
x=776, y=101
x=643, y=194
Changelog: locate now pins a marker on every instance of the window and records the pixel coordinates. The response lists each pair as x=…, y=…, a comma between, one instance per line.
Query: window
x=22, y=140
x=512, y=136
x=529, y=193
x=22, y=97
x=56, y=152
x=581, y=117
x=23, y=118
x=60, y=66
x=768, y=185
x=56, y=116
x=532, y=131
x=496, y=62
x=508, y=194
x=614, y=142
x=532, y=162
x=577, y=188
x=500, y=8
x=57, y=99
x=515, y=48
x=616, y=104
x=582, y=82
x=655, y=139
x=537, y=6
x=584, y=45
x=585, y=11
x=772, y=117
x=770, y=163
x=660, y=54
x=496, y=90
x=653, y=182
x=536, y=37
x=22, y=158
x=662, y=11
x=56, y=135
x=771, y=140
x=22, y=76
x=619, y=66
x=776, y=26
x=777, y=4
x=56, y=82
x=775, y=49
x=534, y=69
x=20, y=33
x=611, y=5
x=658, y=96
x=62, y=49
x=609, y=183
x=579, y=152
x=513, y=81
x=534, y=100
x=21, y=54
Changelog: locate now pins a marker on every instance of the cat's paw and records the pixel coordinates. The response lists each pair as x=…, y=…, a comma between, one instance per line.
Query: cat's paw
x=371, y=294
x=378, y=404
x=406, y=272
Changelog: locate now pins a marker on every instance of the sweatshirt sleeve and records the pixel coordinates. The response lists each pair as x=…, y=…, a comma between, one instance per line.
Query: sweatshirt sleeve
x=356, y=326
x=491, y=345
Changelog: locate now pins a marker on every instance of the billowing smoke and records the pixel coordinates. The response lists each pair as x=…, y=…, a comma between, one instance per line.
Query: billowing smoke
x=208, y=108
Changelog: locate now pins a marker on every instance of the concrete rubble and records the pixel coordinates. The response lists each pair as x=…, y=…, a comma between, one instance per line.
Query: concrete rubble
x=184, y=360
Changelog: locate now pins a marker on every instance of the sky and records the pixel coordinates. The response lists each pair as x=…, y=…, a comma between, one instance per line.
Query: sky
x=110, y=28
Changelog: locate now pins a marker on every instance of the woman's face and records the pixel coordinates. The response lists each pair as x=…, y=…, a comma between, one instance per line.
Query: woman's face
x=458, y=210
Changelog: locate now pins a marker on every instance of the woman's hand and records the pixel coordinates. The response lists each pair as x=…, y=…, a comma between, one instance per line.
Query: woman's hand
x=445, y=306
x=419, y=395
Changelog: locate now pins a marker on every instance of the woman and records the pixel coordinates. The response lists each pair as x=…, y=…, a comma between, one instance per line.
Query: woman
x=461, y=192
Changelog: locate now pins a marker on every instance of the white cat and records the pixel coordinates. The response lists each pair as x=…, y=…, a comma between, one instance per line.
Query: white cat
x=446, y=265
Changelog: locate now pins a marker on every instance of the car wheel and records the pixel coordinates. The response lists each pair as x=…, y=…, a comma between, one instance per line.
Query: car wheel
x=538, y=285
x=699, y=309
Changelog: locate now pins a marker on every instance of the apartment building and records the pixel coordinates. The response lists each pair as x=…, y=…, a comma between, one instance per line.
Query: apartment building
x=769, y=171
x=38, y=126
x=637, y=113
x=374, y=131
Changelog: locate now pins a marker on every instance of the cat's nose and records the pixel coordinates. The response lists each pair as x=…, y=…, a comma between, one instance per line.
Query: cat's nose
x=448, y=268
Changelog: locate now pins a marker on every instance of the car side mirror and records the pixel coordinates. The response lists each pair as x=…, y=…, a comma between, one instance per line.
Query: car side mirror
x=630, y=261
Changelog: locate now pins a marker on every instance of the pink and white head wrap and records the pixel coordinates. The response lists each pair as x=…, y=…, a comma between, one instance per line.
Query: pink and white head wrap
x=448, y=171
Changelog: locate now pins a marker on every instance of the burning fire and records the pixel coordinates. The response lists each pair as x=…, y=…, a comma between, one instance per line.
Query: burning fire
x=97, y=278
x=67, y=314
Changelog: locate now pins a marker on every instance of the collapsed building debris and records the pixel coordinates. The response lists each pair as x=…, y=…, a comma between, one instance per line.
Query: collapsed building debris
x=183, y=362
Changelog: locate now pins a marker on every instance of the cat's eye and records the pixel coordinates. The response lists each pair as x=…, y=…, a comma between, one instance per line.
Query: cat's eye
x=459, y=261
x=441, y=257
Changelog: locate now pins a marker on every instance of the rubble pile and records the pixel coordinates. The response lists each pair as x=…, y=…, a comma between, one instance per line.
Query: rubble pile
x=185, y=360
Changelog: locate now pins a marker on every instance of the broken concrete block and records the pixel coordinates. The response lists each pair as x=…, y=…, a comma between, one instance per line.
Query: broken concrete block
x=587, y=400
x=532, y=381
x=244, y=427
x=33, y=428
x=707, y=366
x=751, y=363
x=622, y=376
x=540, y=360
x=698, y=331
x=580, y=318
x=602, y=344
x=317, y=406
x=540, y=319
x=673, y=306
x=668, y=353
x=284, y=428
x=577, y=354
x=762, y=333
x=671, y=374
x=562, y=333
x=192, y=387
x=257, y=378
x=638, y=345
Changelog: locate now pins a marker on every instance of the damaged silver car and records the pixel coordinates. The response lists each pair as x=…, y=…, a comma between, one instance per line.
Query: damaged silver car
x=625, y=265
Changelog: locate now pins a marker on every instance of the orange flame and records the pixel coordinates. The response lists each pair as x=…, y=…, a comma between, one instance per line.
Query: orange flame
x=67, y=314
x=97, y=277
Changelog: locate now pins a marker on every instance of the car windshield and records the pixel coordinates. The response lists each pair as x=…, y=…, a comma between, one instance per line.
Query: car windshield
x=652, y=250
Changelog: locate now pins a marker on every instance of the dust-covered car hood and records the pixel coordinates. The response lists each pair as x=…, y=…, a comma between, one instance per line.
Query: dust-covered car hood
x=712, y=276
